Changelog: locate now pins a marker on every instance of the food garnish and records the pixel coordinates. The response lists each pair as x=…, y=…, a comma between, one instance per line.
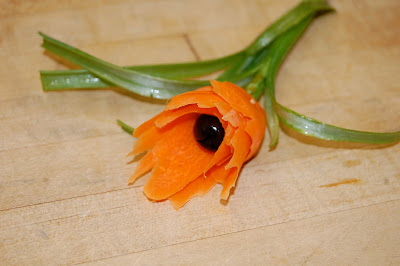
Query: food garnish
x=209, y=128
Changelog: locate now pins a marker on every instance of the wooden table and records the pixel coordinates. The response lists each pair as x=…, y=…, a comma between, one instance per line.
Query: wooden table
x=64, y=194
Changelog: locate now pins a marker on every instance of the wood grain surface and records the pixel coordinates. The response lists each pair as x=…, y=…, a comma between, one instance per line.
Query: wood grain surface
x=63, y=181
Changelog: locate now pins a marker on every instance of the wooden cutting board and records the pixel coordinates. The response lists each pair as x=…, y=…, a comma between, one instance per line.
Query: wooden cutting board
x=64, y=195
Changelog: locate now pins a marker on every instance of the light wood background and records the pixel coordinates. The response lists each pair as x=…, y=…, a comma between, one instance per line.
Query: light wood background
x=63, y=172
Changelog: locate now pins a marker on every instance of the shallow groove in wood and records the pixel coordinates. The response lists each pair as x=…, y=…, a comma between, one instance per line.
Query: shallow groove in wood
x=189, y=43
x=246, y=230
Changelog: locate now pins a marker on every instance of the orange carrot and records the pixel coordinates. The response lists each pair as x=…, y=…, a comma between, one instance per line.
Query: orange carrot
x=182, y=167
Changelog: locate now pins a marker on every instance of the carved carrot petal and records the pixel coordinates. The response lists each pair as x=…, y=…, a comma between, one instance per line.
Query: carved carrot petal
x=181, y=167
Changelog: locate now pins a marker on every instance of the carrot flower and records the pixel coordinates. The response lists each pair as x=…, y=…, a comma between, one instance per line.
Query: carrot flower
x=203, y=137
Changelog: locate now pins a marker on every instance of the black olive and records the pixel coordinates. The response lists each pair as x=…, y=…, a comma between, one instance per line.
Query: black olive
x=209, y=132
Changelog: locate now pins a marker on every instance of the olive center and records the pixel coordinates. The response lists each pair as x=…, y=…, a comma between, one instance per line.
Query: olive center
x=209, y=132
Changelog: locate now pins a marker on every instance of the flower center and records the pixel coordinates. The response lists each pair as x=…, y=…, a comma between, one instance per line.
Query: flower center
x=209, y=132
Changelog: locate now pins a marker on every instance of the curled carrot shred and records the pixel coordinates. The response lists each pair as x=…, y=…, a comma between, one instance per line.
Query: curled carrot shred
x=180, y=167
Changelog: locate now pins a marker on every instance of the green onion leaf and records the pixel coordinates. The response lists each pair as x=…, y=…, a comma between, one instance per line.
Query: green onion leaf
x=125, y=127
x=82, y=78
x=131, y=80
x=264, y=80
x=314, y=128
x=295, y=16
x=301, y=123
x=290, y=20
x=249, y=64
